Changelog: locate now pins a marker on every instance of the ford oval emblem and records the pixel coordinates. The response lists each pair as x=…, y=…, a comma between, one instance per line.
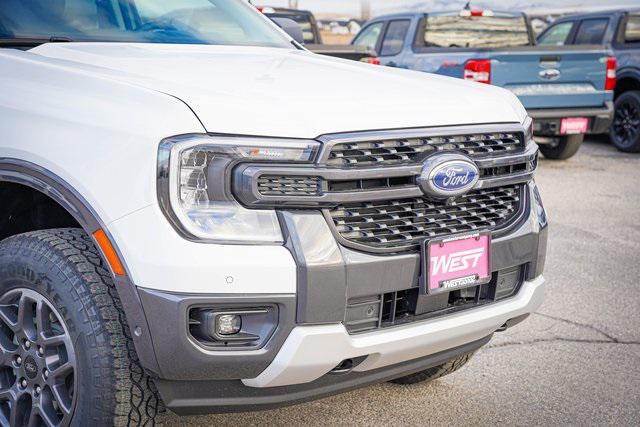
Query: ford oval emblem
x=449, y=175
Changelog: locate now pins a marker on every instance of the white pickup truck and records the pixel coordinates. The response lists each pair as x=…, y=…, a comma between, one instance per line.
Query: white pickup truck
x=198, y=214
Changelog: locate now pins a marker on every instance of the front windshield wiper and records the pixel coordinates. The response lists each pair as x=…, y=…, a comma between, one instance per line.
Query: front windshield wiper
x=32, y=42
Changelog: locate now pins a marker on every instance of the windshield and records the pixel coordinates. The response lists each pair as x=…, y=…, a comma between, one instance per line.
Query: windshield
x=476, y=31
x=223, y=22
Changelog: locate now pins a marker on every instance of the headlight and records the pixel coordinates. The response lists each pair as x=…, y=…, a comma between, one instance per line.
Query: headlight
x=194, y=185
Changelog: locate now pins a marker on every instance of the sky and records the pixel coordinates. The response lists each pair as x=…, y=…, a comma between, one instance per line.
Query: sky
x=352, y=7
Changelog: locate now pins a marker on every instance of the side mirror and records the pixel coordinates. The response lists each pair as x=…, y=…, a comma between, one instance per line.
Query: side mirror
x=290, y=27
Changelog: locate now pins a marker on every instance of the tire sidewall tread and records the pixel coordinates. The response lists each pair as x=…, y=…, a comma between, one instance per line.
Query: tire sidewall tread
x=64, y=265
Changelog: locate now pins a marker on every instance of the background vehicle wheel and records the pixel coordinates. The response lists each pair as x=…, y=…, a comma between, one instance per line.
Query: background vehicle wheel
x=436, y=372
x=625, y=129
x=565, y=148
x=66, y=355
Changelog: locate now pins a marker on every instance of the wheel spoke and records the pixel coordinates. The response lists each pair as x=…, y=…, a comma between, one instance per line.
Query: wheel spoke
x=7, y=357
x=62, y=371
x=6, y=318
x=4, y=421
x=47, y=418
x=24, y=313
x=19, y=410
x=61, y=396
x=52, y=340
x=40, y=318
x=8, y=395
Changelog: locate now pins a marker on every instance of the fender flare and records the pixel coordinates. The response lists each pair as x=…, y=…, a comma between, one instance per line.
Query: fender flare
x=40, y=179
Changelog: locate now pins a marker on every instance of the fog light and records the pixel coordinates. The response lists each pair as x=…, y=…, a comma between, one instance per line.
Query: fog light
x=228, y=324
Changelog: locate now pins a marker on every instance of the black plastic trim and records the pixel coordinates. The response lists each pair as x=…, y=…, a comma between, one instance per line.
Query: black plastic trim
x=182, y=357
x=34, y=176
x=204, y=397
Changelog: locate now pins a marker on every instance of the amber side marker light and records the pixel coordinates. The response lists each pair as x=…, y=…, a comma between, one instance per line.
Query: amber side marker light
x=109, y=252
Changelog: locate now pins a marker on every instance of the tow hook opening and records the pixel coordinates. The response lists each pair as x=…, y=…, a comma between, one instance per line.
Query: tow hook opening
x=347, y=365
x=512, y=322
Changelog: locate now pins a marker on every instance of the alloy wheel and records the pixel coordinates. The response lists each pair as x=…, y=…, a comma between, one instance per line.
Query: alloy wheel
x=626, y=123
x=37, y=362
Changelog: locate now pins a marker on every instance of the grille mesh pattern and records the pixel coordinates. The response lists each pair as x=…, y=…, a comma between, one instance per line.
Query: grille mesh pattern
x=402, y=224
x=357, y=154
x=270, y=185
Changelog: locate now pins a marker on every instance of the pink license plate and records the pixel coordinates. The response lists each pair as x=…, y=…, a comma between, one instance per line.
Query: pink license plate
x=574, y=125
x=457, y=262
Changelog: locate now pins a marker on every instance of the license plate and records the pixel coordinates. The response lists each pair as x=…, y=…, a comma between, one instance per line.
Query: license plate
x=574, y=125
x=456, y=262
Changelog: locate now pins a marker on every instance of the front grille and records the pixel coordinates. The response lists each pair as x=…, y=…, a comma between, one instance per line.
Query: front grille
x=415, y=150
x=299, y=186
x=403, y=224
x=271, y=185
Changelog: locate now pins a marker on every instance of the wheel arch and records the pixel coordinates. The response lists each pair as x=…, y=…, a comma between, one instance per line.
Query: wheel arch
x=627, y=79
x=52, y=186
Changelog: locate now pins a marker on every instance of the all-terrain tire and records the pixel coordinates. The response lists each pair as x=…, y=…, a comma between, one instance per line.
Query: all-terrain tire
x=436, y=372
x=64, y=267
x=565, y=148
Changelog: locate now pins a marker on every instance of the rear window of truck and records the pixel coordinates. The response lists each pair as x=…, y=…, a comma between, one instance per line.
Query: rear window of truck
x=557, y=35
x=447, y=31
x=591, y=31
x=632, y=30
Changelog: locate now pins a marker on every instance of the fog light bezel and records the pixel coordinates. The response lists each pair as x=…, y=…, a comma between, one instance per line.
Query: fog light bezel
x=258, y=324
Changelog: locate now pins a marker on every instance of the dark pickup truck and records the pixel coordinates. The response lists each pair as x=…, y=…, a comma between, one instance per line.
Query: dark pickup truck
x=619, y=30
x=312, y=37
x=567, y=90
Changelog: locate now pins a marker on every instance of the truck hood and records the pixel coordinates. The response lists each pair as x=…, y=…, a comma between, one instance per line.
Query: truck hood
x=289, y=93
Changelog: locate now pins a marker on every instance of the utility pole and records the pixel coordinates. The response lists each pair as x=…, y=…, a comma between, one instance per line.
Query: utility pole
x=293, y=4
x=365, y=10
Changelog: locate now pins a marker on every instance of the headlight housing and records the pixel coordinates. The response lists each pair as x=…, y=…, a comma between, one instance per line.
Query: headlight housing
x=528, y=130
x=194, y=173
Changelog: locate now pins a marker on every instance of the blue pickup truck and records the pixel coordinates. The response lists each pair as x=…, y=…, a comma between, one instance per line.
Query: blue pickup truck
x=619, y=29
x=568, y=90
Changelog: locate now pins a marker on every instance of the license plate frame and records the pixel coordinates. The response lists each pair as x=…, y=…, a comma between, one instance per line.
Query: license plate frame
x=481, y=273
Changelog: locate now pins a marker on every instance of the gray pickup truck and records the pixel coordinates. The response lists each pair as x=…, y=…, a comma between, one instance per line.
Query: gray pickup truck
x=567, y=90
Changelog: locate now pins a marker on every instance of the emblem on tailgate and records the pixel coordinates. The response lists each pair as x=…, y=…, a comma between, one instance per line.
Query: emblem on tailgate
x=549, y=74
x=448, y=175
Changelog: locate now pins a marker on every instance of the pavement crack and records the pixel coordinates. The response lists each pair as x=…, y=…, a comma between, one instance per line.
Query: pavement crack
x=610, y=337
x=560, y=339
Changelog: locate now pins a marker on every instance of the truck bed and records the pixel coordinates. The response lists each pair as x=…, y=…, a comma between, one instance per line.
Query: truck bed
x=542, y=77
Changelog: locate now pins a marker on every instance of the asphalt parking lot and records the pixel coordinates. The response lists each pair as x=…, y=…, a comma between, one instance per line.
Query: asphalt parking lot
x=575, y=362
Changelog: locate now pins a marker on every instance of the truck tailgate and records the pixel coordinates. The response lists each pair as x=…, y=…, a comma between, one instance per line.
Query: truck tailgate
x=570, y=77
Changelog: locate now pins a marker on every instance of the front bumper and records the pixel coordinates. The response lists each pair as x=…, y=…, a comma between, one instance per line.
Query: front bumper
x=202, y=397
x=311, y=352
x=311, y=339
x=547, y=121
